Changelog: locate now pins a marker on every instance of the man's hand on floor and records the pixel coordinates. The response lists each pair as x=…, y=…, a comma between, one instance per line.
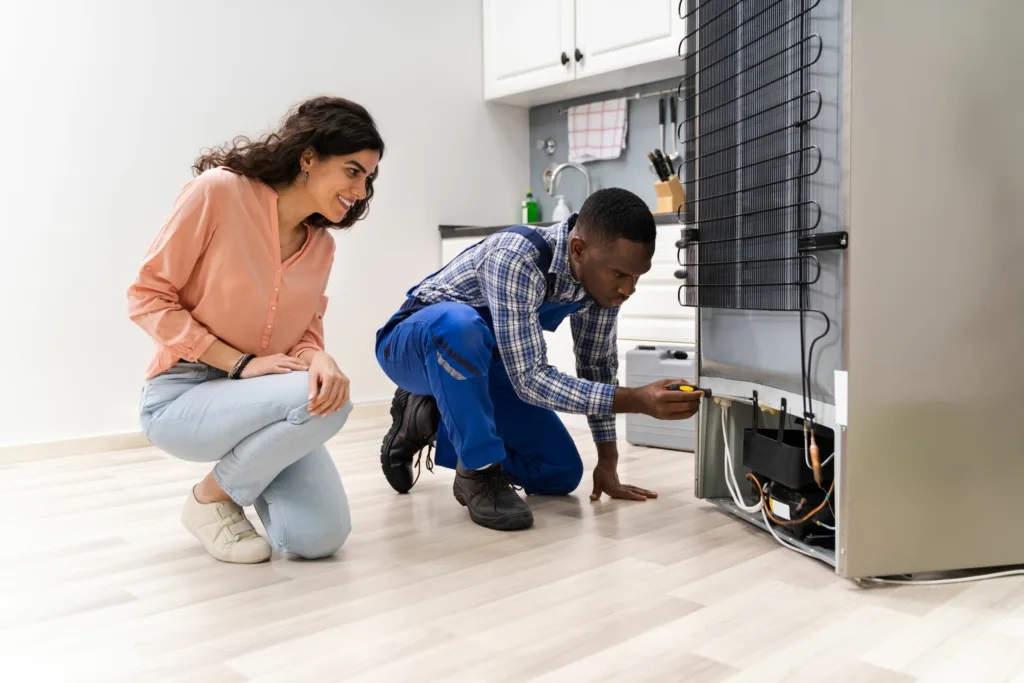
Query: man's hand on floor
x=606, y=480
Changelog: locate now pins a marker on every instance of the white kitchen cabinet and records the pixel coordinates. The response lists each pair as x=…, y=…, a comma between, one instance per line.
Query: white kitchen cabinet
x=540, y=51
x=528, y=44
x=613, y=35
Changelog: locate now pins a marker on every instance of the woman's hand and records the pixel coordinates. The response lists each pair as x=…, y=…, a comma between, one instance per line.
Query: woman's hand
x=328, y=385
x=277, y=364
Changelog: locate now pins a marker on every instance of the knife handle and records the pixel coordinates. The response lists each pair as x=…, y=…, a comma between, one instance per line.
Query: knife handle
x=664, y=172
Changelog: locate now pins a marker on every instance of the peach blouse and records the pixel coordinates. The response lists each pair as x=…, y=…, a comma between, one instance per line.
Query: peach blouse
x=215, y=271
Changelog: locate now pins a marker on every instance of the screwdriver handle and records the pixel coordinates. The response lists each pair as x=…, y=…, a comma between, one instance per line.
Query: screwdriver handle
x=689, y=388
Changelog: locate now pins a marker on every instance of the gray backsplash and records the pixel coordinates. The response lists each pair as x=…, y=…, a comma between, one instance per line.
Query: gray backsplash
x=629, y=171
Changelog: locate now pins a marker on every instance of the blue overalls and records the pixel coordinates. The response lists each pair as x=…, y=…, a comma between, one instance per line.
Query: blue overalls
x=448, y=350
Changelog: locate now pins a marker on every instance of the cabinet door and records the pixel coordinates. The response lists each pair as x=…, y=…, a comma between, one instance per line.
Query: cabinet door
x=613, y=35
x=523, y=45
x=453, y=246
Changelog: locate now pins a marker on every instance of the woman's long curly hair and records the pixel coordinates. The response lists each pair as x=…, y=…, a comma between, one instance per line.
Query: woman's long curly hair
x=330, y=126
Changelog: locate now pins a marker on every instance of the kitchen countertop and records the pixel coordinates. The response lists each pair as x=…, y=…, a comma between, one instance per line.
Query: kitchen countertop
x=452, y=231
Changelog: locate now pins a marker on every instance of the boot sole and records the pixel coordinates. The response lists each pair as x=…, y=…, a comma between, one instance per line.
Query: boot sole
x=397, y=409
x=515, y=521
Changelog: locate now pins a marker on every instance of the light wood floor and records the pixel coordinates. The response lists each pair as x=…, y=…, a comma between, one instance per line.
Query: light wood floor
x=98, y=582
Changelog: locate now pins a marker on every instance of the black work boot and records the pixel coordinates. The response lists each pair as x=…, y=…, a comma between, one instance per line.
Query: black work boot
x=491, y=499
x=414, y=427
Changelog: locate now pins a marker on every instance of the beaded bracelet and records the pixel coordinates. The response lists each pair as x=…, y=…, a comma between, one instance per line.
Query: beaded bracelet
x=243, y=360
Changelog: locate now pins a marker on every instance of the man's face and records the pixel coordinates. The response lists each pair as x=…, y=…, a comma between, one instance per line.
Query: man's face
x=609, y=271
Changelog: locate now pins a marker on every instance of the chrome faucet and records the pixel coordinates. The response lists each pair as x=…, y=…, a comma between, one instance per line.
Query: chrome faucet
x=561, y=167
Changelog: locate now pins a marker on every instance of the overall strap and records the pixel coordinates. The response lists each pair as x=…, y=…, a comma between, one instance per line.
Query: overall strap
x=546, y=253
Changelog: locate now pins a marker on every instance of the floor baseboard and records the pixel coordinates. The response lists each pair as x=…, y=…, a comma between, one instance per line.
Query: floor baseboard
x=47, y=450
x=124, y=441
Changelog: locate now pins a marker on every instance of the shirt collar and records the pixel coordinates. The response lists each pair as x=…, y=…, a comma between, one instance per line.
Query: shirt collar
x=560, y=256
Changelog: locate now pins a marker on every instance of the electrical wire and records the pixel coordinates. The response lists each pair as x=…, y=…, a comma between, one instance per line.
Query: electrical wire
x=807, y=383
x=810, y=353
x=807, y=365
x=784, y=543
x=941, y=582
x=730, y=475
x=790, y=522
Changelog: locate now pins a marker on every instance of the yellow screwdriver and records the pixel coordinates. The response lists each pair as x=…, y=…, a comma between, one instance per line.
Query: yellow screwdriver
x=688, y=389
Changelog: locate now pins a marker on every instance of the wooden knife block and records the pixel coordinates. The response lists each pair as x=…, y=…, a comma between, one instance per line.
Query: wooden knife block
x=670, y=194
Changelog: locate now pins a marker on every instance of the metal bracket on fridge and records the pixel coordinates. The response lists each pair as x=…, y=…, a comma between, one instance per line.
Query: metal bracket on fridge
x=687, y=237
x=824, y=241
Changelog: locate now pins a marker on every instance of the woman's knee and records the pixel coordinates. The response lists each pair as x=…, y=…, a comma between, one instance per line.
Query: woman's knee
x=319, y=542
x=331, y=422
x=305, y=509
x=340, y=416
x=334, y=422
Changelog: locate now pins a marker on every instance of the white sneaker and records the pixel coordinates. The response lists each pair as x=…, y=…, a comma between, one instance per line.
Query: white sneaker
x=224, y=530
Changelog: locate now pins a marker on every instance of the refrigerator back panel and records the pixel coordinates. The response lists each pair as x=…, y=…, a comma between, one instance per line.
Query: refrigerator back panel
x=764, y=177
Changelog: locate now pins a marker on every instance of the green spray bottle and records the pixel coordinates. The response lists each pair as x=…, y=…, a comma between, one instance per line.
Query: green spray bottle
x=530, y=212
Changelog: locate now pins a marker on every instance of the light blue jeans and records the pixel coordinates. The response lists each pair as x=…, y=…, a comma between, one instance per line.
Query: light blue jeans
x=269, y=451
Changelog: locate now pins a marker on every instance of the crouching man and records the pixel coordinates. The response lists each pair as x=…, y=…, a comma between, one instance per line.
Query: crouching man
x=467, y=352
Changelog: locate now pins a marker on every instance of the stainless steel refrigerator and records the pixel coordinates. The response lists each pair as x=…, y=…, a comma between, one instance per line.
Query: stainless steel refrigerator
x=852, y=242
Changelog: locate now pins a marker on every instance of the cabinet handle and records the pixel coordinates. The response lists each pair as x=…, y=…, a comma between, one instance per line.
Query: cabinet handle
x=579, y=55
x=565, y=59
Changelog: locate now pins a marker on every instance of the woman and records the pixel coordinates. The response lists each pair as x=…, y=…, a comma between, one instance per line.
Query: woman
x=233, y=292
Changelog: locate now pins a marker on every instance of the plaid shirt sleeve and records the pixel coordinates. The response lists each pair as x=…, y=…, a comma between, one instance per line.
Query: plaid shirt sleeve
x=597, y=359
x=514, y=288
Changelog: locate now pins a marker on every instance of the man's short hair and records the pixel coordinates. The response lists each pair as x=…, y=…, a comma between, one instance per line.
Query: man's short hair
x=614, y=213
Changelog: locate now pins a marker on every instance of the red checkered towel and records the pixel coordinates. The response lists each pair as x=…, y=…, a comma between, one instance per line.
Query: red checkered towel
x=597, y=130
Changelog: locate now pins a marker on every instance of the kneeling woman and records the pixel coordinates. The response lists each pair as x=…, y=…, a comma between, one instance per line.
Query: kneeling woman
x=233, y=292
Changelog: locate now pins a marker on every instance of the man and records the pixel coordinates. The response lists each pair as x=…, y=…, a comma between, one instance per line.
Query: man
x=468, y=355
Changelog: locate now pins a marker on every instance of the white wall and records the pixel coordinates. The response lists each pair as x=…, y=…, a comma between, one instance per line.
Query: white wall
x=105, y=104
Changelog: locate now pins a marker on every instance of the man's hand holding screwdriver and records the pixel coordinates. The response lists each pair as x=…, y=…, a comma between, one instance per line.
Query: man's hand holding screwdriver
x=666, y=399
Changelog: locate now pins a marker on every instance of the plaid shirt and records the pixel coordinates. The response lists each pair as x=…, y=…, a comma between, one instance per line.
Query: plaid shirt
x=501, y=274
